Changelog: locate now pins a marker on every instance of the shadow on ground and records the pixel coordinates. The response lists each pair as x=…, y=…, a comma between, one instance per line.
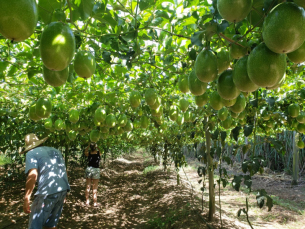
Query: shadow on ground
x=129, y=199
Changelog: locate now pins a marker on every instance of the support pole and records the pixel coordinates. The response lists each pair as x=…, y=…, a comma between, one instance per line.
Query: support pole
x=210, y=172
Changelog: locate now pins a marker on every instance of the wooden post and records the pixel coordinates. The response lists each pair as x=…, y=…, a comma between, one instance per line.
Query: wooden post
x=210, y=172
x=295, y=165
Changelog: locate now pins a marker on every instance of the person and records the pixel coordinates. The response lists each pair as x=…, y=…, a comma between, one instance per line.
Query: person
x=92, y=173
x=46, y=166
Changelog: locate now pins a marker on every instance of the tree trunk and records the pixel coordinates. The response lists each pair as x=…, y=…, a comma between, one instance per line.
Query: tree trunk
x=211, y=173
x=295, y=165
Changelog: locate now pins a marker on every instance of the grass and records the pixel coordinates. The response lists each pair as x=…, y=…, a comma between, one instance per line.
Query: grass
x=169, y=219
x=4, y=160
x=291, y=205
x=150, y=169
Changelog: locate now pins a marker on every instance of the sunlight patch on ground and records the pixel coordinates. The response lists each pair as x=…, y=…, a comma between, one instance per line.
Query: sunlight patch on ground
x=123, y=160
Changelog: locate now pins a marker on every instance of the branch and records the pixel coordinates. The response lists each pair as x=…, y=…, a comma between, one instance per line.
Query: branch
x=230, y=40
x=71, y=19
x=126, y=9
x=173, y=34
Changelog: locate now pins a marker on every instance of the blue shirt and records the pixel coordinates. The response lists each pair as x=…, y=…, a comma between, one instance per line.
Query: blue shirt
x=52, y=175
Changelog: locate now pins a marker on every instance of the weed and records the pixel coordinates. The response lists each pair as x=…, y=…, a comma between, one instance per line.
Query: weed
x=150, y=169
x=291, y=205
x=4, y=160
x=169, y=219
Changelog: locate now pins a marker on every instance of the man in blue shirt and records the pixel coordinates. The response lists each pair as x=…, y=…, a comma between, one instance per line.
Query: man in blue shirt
x=46, y=166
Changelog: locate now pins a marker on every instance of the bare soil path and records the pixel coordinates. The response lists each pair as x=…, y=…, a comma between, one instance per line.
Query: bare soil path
x=134, y=192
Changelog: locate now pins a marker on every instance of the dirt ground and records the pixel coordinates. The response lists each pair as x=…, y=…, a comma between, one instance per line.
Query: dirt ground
x=134, y=192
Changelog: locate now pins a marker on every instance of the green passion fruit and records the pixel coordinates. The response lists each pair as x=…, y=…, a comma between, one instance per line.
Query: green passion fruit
x=206, y=66
x=284, y=28
x=57, y=46
x=18, y=19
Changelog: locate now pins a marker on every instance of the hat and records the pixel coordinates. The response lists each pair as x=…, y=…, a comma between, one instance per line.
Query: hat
x=31, y=141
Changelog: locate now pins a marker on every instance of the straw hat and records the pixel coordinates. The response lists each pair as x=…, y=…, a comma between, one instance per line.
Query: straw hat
x=31, y=141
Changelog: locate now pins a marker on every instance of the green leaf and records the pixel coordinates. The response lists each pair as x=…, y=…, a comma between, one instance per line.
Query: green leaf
x=236, y=182
x=197, y=37
x=145, y=4
x=222, y=27
x=248, y=182
x=85, y=8
x=161, y=13
x=235, y=132
x=189, y=21
x=130, y=35
x=32, y=72
x=104, y=17
x=244, y=166
x=3, y=66
x=157, y=21
x=46, y=9
x=239, y=212
x=193, y=54
x=71, y=77
x=77, y=2
x=248, y=130
x=13, y=69
x=271, y=101
x=269, y=203
x=223, y=135
x=254, y=102
x=218, y=151
x=106, y=56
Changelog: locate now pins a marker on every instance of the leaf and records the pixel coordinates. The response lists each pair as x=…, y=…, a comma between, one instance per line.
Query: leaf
x=269, y=203
x=106, y=56
x=271, y=101
x=302, y=93
x=161, y=13
x=104, y=17
x=145, y=4
x=192, y=54
x=197, y=37
x=188, y=21
x=218, y=151
x=248, y=182
x=224, y=182
x=13, y=69
x=46, y=9
x=244, y=166
x=260, y=201
x=222, y=27
x=223, y=135
x=153, y=34
x=130, y=35
x=248, y=130
x=157, y=21
x=3, y=66
x=71, y=77
x=201, y=171
x=254, y=102
x=77, y=2
x=227, y=159
x=236, y=182
x=214, y=136
x=235, y=132
x=32, y=72
x=239, y=212
x=85, y=8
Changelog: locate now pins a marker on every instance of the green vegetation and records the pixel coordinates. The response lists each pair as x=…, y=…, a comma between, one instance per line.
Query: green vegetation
x=4, y=160
x=161, y=75
x=150, y=169
x=169, y=219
